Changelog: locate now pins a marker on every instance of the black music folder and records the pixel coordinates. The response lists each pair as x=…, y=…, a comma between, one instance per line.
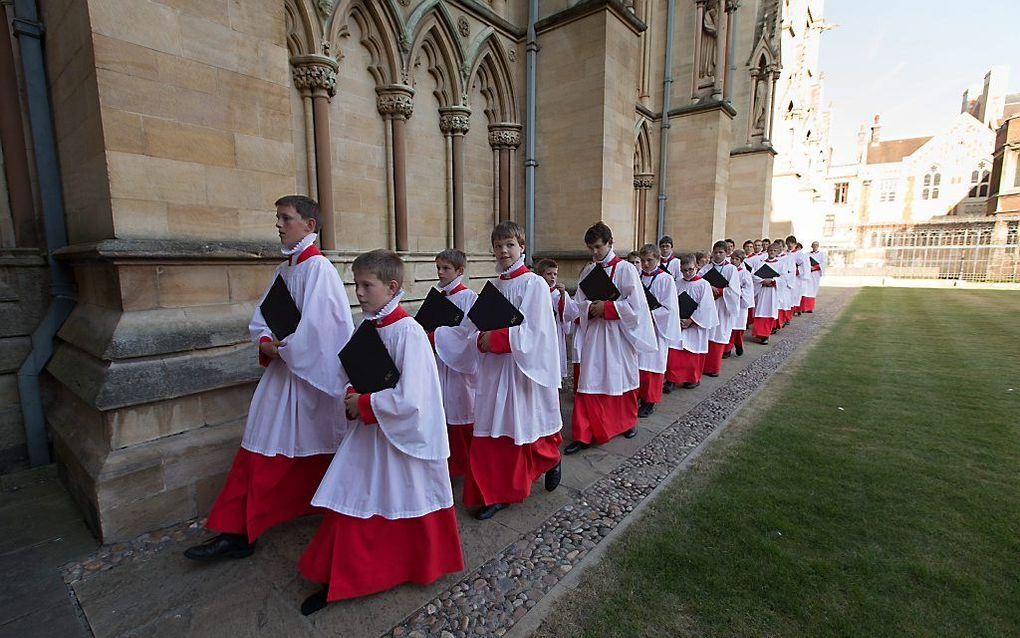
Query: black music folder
x=492, y=311
x=653, y=303
x=368, y=365
x=715, y=278
x=813, y=262
x=597, y=286
x=437, y=310
x=766, y=272
x=687, y=305
x=280, y=311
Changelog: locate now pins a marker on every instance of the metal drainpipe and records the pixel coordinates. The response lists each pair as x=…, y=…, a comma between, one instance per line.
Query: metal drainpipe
x=667, y=88
x=28, y=29
x=530, y=162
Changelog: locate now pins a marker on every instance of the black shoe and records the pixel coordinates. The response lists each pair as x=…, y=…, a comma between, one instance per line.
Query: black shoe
x=691, y=386
x=314, y=603
x=645, y=409
x=710, y=374
x=810, y=312
x=221, y=547
x=576, y=447
x=631, y=433
x=739, y=350
x=668, y=387
x=727, y=355
x=552, y=477
x=489, y=511
x=763, y=340
x=775, y=330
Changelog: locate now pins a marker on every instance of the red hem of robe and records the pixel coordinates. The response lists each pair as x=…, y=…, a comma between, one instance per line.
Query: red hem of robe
x=713, y=360
x=807, y=304
x=762, y=327
x=263, y=491
x=361, y=556
x=650, y=390
x=460, y=447
x=599, y=417
x=684, y=366
x=500, y=471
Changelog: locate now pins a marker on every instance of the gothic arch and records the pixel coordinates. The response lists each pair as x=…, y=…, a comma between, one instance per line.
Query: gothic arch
x=491, y=71
x=378, y=28
x=642, y=148
x=302, y=28
x=436, y=38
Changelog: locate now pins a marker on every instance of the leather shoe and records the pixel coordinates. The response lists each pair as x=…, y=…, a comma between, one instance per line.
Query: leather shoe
x=630, y=434
x=552, y=477
x=740, y=351
x=315, y=602
x=727, y=355
x=688, y=385
x=668, y=387
x=710, y=374
x=576, y=447
x=489, y=511
x=221, y=547
x=763, y=340
x=645, y=409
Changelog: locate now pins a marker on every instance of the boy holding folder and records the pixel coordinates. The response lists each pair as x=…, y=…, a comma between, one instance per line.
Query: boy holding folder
x=722, y=276
x=517, y=403
x=697, y=317
x=388, y=503
x=660, y=290
x=295, y=421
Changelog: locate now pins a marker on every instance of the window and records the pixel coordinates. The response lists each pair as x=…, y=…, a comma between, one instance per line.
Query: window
x=932, y=181
x=983, y=186
x=842, y=189
x=887, y=191
x=830, y=225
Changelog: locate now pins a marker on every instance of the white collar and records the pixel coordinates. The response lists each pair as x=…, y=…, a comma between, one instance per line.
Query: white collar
x=450, y=286
x=390, y=306
x=608, y=258
x=299, y=247
x=517, y=264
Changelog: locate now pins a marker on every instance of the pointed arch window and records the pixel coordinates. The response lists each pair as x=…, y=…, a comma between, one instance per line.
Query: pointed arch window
x=932, y=182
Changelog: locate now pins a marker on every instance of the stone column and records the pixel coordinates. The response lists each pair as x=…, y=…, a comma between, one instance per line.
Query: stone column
x=504, y=138
x=721, y=46
x=728, y=46
x=755, y=72
x=643, y=182
x=699, y=18
x=315, y=77
x=396, y=104
x=773, y=75
x=455, y=121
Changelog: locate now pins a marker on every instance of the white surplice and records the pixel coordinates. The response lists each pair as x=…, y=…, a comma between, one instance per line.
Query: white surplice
x=297, y=408
x=397, y=467
x=816, y=275
x=746, y=292
x=694, y=339
x=671, y=265
x=665, y=319
x=766, y=298
x=517, y=394
x=727, y=307
x=565, y=311
x=610, y=348
x=457, y=358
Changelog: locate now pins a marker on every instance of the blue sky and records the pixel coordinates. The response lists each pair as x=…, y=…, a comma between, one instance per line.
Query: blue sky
x=910, y=61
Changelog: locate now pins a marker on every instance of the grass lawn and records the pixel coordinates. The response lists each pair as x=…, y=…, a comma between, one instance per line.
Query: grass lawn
x=897, y=515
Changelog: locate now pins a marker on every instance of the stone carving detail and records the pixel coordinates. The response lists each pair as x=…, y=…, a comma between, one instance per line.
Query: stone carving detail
x=709, y=39
x=511, y=54
x=404, y=3
x=759, y=113
x=508, y=136
x=395, y=103
x=325, y=7
x=463, y=27
x=644, y=181
x=455, y=121
x=313, y=75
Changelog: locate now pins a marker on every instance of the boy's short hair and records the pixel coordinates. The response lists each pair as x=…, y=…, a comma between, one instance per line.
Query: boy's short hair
x=766, y=240
x=507, y=230
x=305, y=206
x=632, y=254
x=544, y=265
x=698, y=256
x=720, y=244
x=688, y=258
x=779, y=244
x=739, y=254
x=649, y=250
x=384, y=264
x=746, y=242
x=791, y=239
x=598, y=231
x=665, y=239
x=454, y=257
x=730, y=241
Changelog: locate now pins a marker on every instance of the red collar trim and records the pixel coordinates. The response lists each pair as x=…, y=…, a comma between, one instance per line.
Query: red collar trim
x=523, y=270
x=653, y=274
x=458, y=288
x=612, y=262
x=695, y=278
x=392, y=318
x=667, y=259
x=307, y=254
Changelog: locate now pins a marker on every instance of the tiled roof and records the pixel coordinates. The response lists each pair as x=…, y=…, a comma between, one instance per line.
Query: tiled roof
x=894, y=150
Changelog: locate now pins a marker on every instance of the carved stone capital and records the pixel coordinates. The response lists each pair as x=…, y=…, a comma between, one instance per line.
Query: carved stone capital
x=455, y=120
x=732, y=5
x=314, y=74
x=505, y=135
x=395, y=100
x=644, y=181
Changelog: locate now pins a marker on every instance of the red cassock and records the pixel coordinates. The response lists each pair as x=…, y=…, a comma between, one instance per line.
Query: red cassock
x=807, y=304
x=502, y=472
x=685, y=366
x=650, y=390
x=713, y=360
x=762, y=327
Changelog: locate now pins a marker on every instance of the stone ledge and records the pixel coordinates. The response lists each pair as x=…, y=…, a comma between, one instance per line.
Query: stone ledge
x=588, y=7
x=107, y=385
x=119, y=250
x=754, y=149
x=704, y=107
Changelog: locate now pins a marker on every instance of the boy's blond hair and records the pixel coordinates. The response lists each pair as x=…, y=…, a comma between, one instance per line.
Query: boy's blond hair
x=384, y=264
x=454, y=257
x=507, y=230
x=544, y=265
x=650, y=250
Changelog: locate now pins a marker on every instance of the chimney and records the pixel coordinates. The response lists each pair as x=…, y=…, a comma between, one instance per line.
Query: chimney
x=875, y=129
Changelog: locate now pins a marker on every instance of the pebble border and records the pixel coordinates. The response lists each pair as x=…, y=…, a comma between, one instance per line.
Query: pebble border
x=497, y=594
